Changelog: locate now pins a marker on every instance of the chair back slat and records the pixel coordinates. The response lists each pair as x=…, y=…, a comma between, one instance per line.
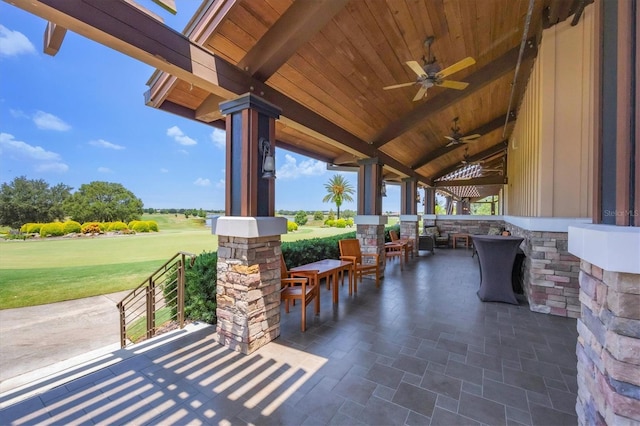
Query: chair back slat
x=351, y=247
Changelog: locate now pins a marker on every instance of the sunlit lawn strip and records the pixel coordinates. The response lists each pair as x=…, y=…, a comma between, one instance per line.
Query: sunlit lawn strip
x=28, y=287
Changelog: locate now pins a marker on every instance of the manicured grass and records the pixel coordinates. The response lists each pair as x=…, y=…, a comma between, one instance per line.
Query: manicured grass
x=36, y=272
x=138, y=329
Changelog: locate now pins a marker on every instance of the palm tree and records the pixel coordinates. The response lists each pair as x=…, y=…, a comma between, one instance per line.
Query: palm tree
x=339, y=190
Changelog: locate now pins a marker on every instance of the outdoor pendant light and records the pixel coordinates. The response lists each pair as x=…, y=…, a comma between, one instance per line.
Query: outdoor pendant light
x=268, y=162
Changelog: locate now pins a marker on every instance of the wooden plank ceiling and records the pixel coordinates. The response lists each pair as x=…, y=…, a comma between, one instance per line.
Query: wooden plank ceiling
x=334, y=57
x=326, y=62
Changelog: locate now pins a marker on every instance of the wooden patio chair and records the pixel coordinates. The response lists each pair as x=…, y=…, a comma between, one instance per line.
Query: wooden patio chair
x=408, y=241
x=302, y=288
x=392, y=250
x=350, y=250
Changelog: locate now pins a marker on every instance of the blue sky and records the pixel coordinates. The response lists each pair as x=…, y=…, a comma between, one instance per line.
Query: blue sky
x=80, y=116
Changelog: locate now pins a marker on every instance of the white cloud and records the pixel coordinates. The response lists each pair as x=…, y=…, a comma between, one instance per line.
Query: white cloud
x=46, y=160
x=52, y=167
x=47, y=121
x=180, y=137
x=202, y=182
x=220, y=184
x=163, y=170
x=17, y=113
x=219, y=138
x=104, y=144
x=104, y=170
x=14, y=43
x=292, y=170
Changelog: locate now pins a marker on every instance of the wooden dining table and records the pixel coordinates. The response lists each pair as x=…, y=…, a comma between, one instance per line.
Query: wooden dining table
x=331, y=270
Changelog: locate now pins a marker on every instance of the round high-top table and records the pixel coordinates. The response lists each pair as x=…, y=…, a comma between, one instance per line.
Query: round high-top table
x=496, y=255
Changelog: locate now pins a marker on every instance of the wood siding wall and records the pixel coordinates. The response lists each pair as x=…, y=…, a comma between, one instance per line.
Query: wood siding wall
x=550, y=160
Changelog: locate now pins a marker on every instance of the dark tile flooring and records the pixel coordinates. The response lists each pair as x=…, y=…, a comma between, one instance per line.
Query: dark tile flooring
x=421, y=350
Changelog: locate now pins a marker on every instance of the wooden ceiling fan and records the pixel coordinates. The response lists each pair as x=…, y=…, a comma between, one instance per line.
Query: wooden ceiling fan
x=431, y=74
x=456, y=137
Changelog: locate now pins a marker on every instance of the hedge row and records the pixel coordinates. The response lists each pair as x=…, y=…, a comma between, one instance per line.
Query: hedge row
x=56, y=229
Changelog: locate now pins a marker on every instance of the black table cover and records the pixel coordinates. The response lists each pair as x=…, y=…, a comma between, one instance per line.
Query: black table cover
x=496, y=255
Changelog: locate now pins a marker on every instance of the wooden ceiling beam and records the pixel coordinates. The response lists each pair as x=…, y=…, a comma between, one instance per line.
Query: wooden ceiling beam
x=482, y=130
x=493, y=70
x=297, y=25
x=53, y=38
x=492, y=150
x=479, y=181
x=209, y=109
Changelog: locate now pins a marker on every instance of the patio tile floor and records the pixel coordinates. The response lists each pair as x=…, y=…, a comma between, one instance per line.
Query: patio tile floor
x=422, y=349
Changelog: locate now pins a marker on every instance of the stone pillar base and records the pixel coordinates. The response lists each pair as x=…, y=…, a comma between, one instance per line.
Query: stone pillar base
x=409, y=229
x=248, y=291
x=371, y=239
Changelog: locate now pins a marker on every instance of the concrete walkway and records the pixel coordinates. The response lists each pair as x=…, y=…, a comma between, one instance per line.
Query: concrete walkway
x=38, y=341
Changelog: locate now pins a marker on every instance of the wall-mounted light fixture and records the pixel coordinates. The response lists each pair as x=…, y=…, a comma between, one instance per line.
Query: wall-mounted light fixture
x=417, y=195
x=383, y=189
x=268, y=162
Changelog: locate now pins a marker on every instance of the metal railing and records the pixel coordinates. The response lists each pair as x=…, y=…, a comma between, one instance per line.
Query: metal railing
x=157, y=301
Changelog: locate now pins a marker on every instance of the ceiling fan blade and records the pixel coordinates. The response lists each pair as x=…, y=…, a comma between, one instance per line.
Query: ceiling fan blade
x=470, y=137
x=450, y=138
x=422, y=92
x=450, y=84
x=415, y=66
x=458, y=66
x=396, y=86
x=453, y=142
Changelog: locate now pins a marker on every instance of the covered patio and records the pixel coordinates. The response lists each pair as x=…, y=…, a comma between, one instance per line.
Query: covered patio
x=422, y=349
x=539, y=96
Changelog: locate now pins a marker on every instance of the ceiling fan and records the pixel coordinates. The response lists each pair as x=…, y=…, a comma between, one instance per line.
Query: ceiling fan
x=456, y=137
x=431, y=74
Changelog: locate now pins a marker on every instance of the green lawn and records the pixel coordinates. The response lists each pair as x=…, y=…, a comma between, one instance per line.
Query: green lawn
x=36, y=272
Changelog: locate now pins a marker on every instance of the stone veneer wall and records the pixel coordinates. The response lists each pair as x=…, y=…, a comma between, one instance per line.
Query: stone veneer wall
x=550, y=278
x=248, y=292
x=608, y=348
x=473, y=227
x=371, y=239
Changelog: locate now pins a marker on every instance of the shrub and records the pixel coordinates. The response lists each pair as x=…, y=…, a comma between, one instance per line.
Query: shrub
x=318, y=215
x=291, y=226
x=71, y=226
x=341, y=223
x=53, y=229
x=331, y=215
x=90, y=228
x=34, y=228
x=117, y=226
x=104, y=226
x=301, y=218
x=350, y=222
x=200, y=288
x=153, y=225
x=139, y=226
x=330, y=222
x=300, y=252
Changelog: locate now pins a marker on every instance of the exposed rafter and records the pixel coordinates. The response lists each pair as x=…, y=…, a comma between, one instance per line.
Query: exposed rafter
x=479, y=181
x=493, y=150
x=482, y=130
x=53, y=38
x=477, y=81
x=301, y=21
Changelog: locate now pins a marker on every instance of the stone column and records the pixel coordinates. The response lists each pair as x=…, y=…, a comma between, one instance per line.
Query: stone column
x=409, y=229
x=370, y=233
x=248, y=284
x=370, y=222
x=408, y=211
x=608, y=347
